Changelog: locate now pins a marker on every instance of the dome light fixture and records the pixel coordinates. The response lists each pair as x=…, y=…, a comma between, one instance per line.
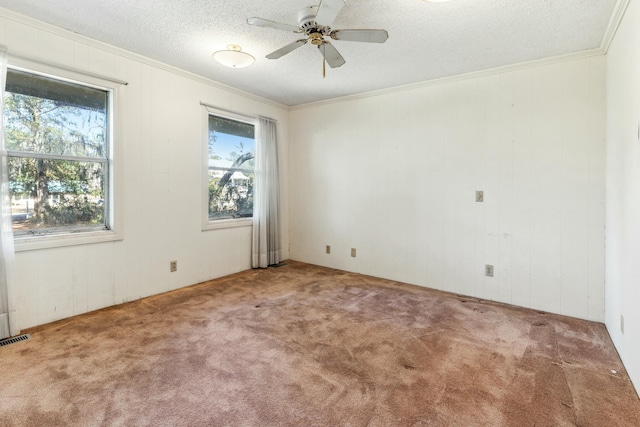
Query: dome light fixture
x=233, y=57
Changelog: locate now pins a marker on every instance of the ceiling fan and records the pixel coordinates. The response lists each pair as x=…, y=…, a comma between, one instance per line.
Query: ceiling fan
x=315, y=22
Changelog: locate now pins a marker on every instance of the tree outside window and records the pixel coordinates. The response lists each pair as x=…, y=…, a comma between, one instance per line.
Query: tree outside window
x=230, y=168
x=57, y=136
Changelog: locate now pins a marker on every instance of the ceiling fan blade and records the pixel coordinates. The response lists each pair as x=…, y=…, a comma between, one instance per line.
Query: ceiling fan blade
x=288, y=48
x=327, y=11
x=368, y=36
x=259, y=22
x=331, y=55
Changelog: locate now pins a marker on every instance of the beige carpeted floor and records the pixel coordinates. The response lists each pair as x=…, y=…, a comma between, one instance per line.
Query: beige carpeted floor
x=302, y=345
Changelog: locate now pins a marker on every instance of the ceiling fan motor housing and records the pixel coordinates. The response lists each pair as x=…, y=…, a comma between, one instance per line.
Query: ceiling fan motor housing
x=307, y=18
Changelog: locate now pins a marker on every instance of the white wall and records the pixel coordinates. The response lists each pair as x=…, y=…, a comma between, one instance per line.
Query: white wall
x=394, y=176
x=162, y=157
x=623, y=190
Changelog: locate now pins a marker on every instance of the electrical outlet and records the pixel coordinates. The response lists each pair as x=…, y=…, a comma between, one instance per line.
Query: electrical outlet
x=173, y=266
x=488, y=270
x=353, y=252
x=328, y=249
x=622, y=324
x=479, y=196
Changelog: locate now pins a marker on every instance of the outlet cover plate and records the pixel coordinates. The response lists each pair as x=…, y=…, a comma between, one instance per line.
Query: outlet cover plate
x=488, y=270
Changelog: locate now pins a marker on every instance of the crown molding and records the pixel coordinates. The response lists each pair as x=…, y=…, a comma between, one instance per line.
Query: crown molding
x=40, y=25
x=614, y=24
x=458, y=77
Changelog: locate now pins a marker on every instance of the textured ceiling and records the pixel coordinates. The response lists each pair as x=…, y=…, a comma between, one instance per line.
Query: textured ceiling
x=426, y=40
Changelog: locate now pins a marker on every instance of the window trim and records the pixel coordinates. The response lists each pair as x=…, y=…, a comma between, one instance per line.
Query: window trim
x=217, y=224
x=113, y=214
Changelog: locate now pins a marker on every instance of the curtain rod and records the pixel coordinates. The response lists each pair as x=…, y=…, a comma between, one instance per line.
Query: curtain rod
x=70, y=69
x=215, y=107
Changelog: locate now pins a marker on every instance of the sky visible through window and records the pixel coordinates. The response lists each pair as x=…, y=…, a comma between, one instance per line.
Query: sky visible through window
x=60, y=121
x=224, y=147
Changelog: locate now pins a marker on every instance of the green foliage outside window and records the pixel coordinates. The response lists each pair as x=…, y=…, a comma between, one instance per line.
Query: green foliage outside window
x=56, y=135
x=231, y=168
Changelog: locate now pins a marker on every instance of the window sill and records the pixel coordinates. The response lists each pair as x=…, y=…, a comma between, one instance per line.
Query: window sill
x=227, y=223
x=31, y=243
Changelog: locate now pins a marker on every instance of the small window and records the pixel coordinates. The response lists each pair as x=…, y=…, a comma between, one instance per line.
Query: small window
x=58, y=141
x=230, y=168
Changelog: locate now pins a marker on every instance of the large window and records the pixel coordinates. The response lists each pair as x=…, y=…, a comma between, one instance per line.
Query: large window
x=58, y=141
x=230, y=168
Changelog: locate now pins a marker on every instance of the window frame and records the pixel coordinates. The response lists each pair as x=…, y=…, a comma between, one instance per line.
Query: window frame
x=113, y=190
x=216, y=224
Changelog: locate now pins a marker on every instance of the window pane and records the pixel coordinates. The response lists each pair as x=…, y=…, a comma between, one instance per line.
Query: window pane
x=50, y=196
x=231, y=165
x=231, y=127
x=43, y=115
x=46, y=118
x=230, y=194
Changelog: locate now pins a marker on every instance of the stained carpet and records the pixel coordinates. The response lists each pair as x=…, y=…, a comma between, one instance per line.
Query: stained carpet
x=303, y=345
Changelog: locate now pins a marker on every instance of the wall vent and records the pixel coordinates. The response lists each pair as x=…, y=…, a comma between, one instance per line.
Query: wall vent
x=15, y=339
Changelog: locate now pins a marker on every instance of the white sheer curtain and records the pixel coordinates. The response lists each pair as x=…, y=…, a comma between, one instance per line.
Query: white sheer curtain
x=266, y=198
x=8, y=326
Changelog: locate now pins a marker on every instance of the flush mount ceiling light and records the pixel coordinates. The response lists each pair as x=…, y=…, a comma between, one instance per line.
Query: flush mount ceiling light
x=233, y=57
